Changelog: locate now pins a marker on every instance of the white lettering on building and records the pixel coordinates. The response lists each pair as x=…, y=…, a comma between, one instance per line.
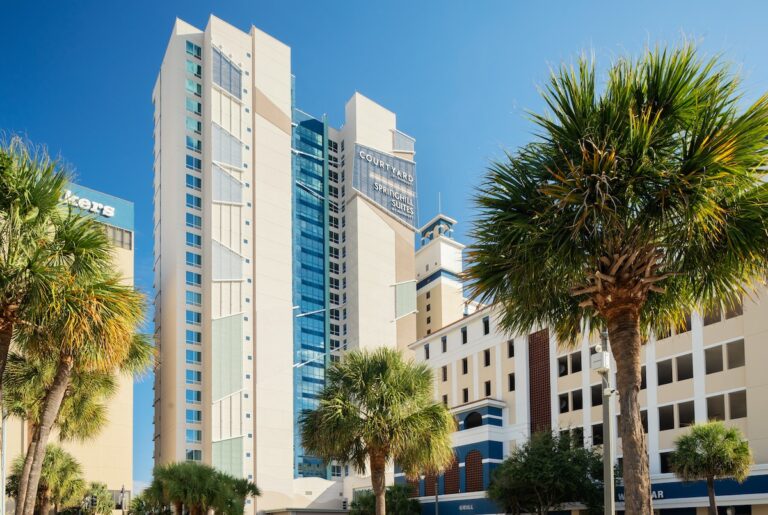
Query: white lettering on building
x=396, y=172
x=89, y=205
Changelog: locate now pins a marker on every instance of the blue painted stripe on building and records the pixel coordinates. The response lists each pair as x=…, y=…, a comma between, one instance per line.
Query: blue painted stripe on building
x=435, y=276
x=493, y=422
x=477, y=506
x=488, y=448
x=755, y=484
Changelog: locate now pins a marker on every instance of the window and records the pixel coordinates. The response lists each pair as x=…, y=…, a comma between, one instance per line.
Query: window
x=465, y=394
x=510, y=348
x=194, y=202
x=666, y=417
x=463, y=335
x=226, y=74
x=713, y=359
x=511, y=382
x=195, y=126
x=735, y=354
x=193, y=106
x=194, y=50
x=444, y=343
x=194, y=416
x=562, y=366
x=577, y=401
x=664, y=371
x=194, y=240
x=335, y=470
x=193, y=259
x=487, y=388
x=194, y=144
x=445, y=400
x=193, y=317
x=686, y=414
x=596, y=392
x=429, y=307
x=194, y=163
x=666, y=467
x=597, y=434
x=194, y=68
x=194, y=396
x=487, y=358
x=195, y=183
x=194, y=299
x=716, y=407
x=194, y=221
x=194, y=87
x=428, y=294
x=429, y=320
x=486, y=325
x=194, y=436
x=712, y=315
x=194, y=357
x=737, y=404
x=644, y=420
x=464, y=366
x=194, y=377
x=575, y=362
x=445, y=373
x=194, y=455
x=684, y=367
x=426, y=351
x=563, y=399
x=194, y=279
x=193, y=337
x=735, y=310
x=643, y=381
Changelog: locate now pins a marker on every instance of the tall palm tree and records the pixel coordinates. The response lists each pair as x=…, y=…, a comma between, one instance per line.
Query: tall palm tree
x=61, y=483
x=91, y=327
x=377, y=408
x=635, y=204
x=711, y=451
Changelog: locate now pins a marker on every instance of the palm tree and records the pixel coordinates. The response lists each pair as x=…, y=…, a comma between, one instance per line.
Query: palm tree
x=198, y=487
x=710, y=451
x=377, y=407
x=99, y=500
x=91, y=327
x=633, y=206
x=61, y=483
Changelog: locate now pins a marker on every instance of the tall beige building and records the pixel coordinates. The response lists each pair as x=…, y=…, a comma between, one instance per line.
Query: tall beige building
x=107, y=458
x=280, y=242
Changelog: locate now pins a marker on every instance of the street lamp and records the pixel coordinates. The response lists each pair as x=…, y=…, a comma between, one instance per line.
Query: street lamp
x=601, y=363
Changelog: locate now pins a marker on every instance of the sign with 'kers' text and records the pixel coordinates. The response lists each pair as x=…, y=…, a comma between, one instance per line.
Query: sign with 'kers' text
x=387, y=180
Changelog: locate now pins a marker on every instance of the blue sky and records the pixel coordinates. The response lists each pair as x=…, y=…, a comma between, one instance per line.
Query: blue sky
x=77, y=77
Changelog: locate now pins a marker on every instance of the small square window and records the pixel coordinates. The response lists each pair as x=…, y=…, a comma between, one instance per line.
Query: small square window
x=563, y=400
x=684, y=367
x=577, y=401
x=735, y=353
x=487, y=388
x=445, y=400
x=562, y=366
x=664, y=458
x=664, y=371
x=737, y=404
x=511, y=348
x=596, y=392
x=666, y=418
x=716, y=407
x=713, y=358
x=597, y=434
x=465, y=395
x=686, y=414
x=511, y=382
x=575, y=362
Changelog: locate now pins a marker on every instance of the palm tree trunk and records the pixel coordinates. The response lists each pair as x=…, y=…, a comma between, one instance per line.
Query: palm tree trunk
x=711, y=493
x=24, y=479
x=178, y=507
x=5, y=346
x=45, y=504
x=624, y=333
x=378, y=482
x=51, y=407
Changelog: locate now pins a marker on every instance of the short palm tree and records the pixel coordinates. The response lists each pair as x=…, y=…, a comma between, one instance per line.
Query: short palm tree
x=638, y=201
x=377, y=408
x=198, y=488
x=99, y=500
x=711, y=451
x=61, y=483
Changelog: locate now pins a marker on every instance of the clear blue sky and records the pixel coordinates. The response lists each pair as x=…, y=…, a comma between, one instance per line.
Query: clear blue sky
x=77, y=77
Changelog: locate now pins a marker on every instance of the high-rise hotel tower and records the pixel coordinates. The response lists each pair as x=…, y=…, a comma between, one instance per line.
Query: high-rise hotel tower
x=280, y=242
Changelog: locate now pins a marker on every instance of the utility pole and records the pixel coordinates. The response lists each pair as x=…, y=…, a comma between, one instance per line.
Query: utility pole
x=601, y=363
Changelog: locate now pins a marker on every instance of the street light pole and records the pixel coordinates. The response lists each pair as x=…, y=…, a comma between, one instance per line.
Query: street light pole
x=601, y=363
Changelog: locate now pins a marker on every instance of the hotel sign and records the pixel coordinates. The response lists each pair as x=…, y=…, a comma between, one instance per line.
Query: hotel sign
x=88, y=205
x=387, y=180
x=103, y=208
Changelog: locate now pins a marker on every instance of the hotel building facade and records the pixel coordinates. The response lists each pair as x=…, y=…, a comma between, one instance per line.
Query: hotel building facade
x=280, y=242
x=108, y=457
x=502, y=387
